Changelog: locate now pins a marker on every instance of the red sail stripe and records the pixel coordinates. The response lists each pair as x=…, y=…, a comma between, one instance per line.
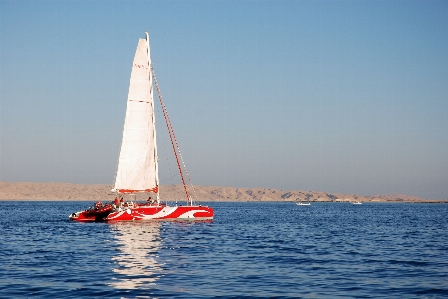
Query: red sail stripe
x=155, y=190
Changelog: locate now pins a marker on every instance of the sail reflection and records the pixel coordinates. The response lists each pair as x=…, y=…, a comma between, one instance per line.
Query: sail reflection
x=135, y=262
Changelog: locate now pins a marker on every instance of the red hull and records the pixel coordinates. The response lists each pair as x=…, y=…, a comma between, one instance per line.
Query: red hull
x=148, y=213
x=92, y=214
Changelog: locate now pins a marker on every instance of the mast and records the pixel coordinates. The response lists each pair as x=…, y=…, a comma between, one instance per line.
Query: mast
x=156, y=159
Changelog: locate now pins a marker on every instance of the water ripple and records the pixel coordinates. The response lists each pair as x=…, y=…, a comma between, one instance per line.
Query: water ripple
x=250, y=250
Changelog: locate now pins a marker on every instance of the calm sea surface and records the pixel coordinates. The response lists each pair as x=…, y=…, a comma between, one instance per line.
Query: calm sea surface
x=250, y=250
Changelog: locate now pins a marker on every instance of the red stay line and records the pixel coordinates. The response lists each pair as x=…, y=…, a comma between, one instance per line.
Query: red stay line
x=171, y=133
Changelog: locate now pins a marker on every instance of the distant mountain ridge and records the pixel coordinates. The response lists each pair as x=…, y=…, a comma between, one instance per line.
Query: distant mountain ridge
x=94, y=192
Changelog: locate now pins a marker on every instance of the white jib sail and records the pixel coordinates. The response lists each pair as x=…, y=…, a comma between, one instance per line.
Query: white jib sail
x=137, y=164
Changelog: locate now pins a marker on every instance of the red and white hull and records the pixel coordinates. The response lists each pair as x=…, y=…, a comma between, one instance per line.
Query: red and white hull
x=150, y=213
x=162, y=212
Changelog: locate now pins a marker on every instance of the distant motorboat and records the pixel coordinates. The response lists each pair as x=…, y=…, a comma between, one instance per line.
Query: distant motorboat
x=356, y=203
x=303, y=203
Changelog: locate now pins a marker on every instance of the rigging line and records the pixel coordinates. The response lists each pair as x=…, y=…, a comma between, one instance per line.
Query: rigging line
x=171, y=129
x=182, y=159
x=171, y=132
x=180, y=154
x=166, y=160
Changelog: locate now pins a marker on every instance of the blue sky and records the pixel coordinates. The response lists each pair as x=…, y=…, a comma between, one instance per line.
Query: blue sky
x=336, y=96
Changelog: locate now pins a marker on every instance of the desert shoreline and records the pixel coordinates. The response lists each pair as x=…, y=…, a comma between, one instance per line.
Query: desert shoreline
x=28, y=191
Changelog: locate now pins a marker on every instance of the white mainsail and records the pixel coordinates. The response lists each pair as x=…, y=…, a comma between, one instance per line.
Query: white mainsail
x=137, y=164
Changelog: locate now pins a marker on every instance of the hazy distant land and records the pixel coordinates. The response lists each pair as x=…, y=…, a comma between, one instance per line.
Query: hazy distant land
x=94, y=192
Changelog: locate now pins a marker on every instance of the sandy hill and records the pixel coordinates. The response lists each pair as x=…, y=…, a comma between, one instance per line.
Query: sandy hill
x=67, y=191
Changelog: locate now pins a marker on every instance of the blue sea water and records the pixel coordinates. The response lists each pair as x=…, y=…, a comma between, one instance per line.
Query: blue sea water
x=250, y=250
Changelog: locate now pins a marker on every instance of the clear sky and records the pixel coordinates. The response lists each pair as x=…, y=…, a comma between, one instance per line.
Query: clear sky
x=336, y=96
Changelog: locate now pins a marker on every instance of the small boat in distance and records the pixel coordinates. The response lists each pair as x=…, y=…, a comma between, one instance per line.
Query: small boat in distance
x=138, y=170
x=303, y=203
x=356, y=202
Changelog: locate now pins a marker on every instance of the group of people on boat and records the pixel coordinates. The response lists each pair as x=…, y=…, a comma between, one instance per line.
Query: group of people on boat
x=120, y=203
x=99, y=206
x=99, y=209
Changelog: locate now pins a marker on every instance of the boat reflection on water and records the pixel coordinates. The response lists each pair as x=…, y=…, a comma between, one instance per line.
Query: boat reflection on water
x=136, y=259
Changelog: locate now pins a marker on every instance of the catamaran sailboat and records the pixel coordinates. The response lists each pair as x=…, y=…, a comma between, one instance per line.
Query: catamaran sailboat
x=137, y=170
